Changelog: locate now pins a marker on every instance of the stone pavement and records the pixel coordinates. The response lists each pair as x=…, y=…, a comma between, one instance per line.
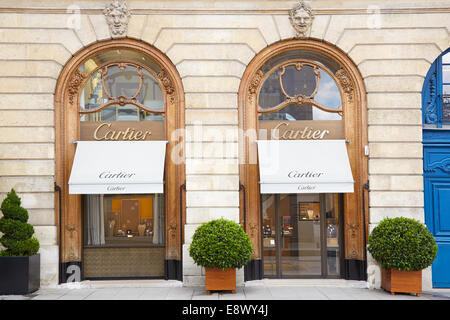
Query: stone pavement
x=252, y=290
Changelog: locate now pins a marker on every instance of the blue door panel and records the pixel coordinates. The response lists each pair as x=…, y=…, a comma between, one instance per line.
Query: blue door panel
x=436, y=160
x=441, y=267
x=442, y=212
x=437, y=209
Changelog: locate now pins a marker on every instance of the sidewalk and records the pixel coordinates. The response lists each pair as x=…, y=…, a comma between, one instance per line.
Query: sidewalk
x=252, y=290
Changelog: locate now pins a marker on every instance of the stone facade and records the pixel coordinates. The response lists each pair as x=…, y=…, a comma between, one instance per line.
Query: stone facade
x=211, y=43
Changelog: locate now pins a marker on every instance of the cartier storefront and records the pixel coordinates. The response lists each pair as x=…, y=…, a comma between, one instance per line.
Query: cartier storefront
x=303, y=165
x=118, y=114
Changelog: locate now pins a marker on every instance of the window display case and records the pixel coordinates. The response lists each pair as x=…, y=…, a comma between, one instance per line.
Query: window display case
x=124, y=220
x=309, y=211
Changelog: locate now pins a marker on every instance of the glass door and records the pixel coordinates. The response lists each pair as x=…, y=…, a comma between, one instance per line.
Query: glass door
x=301, y=235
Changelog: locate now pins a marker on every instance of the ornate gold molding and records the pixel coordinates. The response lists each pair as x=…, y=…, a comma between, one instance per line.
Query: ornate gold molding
x=167, y=83
x=346, y=83
x=353, y=227
x=74, y=84
x=172, y=230
x=298, y=99
x=122, y=99
x=254, y=84
x=72, y=228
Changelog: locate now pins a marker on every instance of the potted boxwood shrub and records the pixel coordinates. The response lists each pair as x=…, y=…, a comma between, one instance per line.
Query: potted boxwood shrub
x=220, y=246
x=403, y=247
x=19, y=262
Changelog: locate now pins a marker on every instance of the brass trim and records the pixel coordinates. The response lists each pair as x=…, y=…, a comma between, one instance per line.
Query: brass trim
x=298, y=99
x=120, y=100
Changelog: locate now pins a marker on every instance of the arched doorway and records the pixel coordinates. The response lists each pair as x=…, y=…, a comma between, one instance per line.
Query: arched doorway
x=124, y=92
x=436, y=162
x=280, y=90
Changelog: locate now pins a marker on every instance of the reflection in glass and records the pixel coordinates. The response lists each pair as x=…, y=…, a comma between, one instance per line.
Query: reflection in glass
x=332, y=234
x=446, y=73
x=108, y=56
x=291, y=112
x=446, y=89
x=121, y=220
x=446, y=58
x=269, y=235
x=297, y=82
x=302, y=249
x=301, y=81
x=121, y=82
x=301, y=235
x=127, y=112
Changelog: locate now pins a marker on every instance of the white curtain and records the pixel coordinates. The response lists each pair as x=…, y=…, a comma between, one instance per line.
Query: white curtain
x=93, y=207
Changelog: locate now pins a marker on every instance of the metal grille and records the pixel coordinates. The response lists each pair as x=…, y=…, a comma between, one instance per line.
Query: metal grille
x=123, y=262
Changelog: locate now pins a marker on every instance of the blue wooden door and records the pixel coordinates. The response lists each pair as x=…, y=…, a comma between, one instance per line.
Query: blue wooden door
x=436, y=163
x=437, y=208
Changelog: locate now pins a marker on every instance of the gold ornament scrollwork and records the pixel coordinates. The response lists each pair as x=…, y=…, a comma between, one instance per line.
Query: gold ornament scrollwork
x=120, y=100
x=353, y=227
x=254, y=84
x=299, y=99
x=72, y=254
x=253, y=235
x=346, y=83
x=74, y=84
x=173, y=230
x=167, y=84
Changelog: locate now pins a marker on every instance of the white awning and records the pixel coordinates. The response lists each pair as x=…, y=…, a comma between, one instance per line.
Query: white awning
x=304, y=166
x=109, y=167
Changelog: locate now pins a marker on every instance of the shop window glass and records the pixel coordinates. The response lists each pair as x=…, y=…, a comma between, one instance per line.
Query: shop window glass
x=123, y=220
x=301, y=235
x=308, y=85
x=135, y=90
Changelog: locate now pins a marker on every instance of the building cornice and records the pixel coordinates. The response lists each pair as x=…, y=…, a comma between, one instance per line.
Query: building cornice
x=219, y=11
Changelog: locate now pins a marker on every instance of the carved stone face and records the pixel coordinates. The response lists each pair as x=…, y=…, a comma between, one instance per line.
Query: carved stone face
x=117, y=16
x=301, y=18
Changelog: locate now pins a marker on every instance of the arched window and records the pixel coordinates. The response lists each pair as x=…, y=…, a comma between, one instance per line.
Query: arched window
x=128, y=94
x=302, y=104
x=299, y=90
x=436, y=94
x=121, y=97
x=121, y=89
x=300, y=94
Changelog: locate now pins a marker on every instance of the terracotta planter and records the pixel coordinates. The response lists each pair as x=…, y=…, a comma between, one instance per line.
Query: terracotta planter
x=396, y=281
x=218, y=279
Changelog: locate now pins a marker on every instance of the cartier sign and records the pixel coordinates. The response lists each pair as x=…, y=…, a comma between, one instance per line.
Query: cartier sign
x=122, y=131
x=300, y=130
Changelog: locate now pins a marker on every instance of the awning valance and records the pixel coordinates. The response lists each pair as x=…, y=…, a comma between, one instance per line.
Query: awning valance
x=109, y=167
x=304, y=166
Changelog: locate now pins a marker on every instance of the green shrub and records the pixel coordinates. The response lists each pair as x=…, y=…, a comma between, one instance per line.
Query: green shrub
x=17, y=233
x=221, y=244
x=402, y=244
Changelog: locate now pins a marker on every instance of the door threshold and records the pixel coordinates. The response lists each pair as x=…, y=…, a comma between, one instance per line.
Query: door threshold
x=128, y=283
x=308, y=283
